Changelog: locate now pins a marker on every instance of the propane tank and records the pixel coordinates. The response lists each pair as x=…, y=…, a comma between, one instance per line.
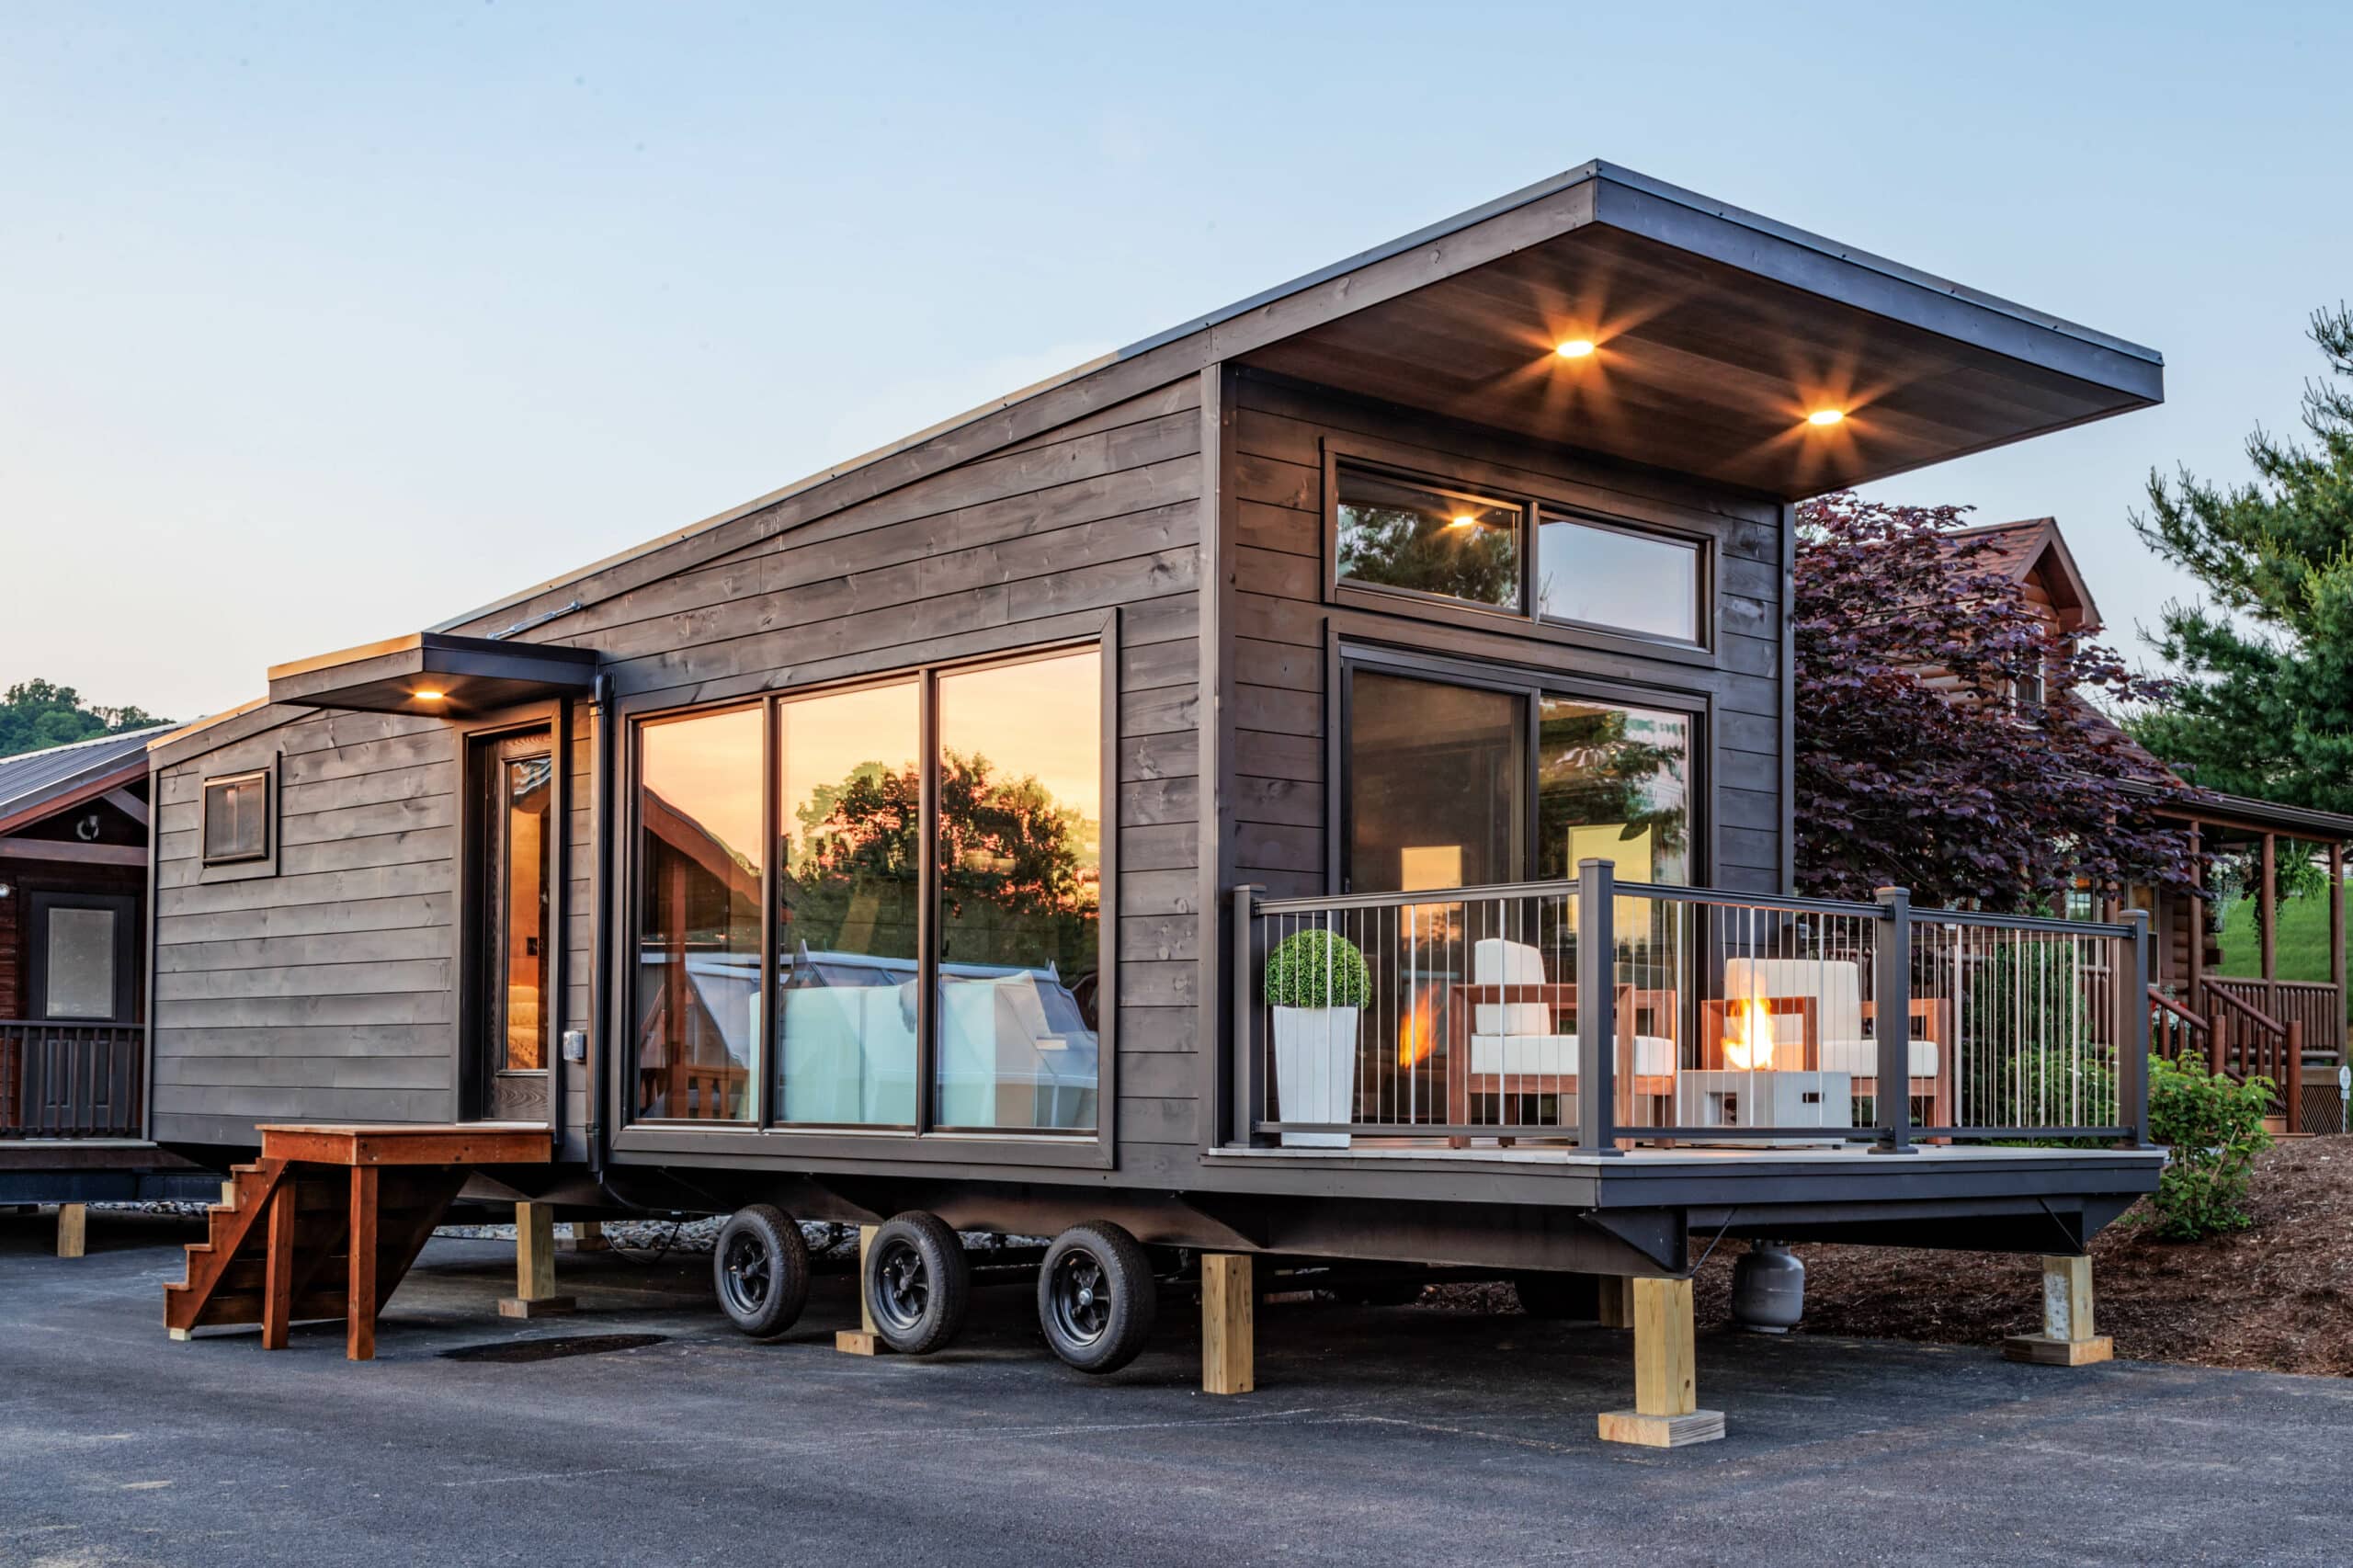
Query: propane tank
x=1768, y=1288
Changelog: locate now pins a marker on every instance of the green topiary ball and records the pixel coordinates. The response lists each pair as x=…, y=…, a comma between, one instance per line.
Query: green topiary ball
x=1317, y=968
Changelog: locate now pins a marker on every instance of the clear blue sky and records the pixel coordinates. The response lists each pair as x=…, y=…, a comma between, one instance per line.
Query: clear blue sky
x=319, y=323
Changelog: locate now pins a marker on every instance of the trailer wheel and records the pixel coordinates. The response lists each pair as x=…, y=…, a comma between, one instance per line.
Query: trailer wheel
x=1564, y=1296
x=760, y=1269
x=1097, y=1297
x=917, y=1283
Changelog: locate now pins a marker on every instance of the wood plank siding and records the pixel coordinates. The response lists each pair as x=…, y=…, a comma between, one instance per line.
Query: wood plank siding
x=329, y=991
x=1281, y=623
x=322, y=988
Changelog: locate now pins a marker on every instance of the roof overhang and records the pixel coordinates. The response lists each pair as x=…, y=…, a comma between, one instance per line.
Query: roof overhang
x=1716, y=334
x=434, y=674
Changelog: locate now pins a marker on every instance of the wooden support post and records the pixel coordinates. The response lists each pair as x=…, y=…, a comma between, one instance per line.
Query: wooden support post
x=534, y=1266
x=2067, y=1338
x=1615, y=1297
x=1229, y=1323
x=359, y=1293
x=278, y=1268
x=73, y=1229
x=2268, y=911
x=1667, y=1412
x=862, y=1340
x=588, y=1235
x=2198, y=915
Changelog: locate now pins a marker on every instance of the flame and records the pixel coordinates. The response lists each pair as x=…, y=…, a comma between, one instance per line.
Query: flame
x=1418, y=1036
x=1748, y=1035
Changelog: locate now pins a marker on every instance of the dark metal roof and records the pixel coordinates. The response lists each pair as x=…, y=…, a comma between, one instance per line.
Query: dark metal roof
x=30, y=777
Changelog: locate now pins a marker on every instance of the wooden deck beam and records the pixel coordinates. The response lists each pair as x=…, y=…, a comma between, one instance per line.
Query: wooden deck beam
x=1228, y=1325
x=2069, y=1336
x=1667, y=1412
x=535, y=1295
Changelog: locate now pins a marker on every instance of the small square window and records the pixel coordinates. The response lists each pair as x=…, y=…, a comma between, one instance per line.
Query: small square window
x=236, y=818
x=1645, y=583
x=1395, y=533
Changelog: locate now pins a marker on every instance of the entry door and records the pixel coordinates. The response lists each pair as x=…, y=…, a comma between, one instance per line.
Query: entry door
x=514, y=852
x=83, y=958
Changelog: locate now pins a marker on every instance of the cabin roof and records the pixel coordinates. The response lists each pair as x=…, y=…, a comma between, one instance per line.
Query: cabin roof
x=1455, y=318
x=36, y=783
x=2020, y=549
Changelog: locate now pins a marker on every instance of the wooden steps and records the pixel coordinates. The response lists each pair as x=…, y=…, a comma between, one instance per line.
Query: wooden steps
x=327, y=1222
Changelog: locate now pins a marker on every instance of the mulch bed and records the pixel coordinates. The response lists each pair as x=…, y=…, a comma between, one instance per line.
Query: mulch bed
x=2273, y=1298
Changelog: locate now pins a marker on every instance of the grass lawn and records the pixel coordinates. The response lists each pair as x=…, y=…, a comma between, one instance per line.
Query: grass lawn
x=2304, y=940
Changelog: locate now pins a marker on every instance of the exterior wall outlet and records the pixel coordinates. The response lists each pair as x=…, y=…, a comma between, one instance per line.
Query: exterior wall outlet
x=575, y=1045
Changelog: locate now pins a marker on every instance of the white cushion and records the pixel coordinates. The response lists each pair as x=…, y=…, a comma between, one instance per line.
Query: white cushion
x=1495, y=961
x=1555, y=1055
x=1834, y=985
x=1860, y=1058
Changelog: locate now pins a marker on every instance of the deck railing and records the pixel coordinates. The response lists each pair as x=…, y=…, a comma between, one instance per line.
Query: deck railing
x=71, y=1080
x=1729, y=1019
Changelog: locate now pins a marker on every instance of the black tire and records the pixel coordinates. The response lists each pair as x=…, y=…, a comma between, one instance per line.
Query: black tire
x=1097, y=1297
x=917, y=1283
x=1570, y=1297
x=760, y=1270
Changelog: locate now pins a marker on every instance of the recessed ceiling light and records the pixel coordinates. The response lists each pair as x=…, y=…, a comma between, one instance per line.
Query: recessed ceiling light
x=1825, y=416
x=1463, y=520
x=1574, y=348
x=429, y=695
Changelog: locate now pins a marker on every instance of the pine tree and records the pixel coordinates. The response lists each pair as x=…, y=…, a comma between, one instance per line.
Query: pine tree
x=2263, y=704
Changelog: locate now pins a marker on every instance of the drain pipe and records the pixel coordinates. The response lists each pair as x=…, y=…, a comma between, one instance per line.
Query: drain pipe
x=601, y=928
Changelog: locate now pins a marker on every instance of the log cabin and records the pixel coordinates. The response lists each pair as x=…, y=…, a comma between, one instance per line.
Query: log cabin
x=2288, y=1031
x=1312, y=783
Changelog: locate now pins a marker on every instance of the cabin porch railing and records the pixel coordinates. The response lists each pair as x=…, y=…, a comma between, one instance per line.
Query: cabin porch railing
x=1731, y=1019
x=64, y=1080
x=2241, y=1039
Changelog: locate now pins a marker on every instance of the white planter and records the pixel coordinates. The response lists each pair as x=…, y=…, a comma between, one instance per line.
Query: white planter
x=1315, y=1071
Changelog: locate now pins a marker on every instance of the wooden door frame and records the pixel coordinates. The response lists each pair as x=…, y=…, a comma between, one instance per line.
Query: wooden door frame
x=473, y=1058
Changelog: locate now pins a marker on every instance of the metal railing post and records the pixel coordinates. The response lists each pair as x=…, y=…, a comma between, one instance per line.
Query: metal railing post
x=1597, y=1008
x=2132, y=1071
x=1248, y=1080
x=1892, y=1022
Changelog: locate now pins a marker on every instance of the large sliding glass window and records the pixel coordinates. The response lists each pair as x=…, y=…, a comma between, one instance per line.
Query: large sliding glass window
x=1021, y=906
x=936, y=939
x=699, y=802
x=1436, y=784
x=849, y=893
x=1613, y=783
x=1438, y=778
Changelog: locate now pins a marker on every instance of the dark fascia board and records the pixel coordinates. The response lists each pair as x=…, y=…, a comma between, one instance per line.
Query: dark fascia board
x=2246, y=811
x=1620, y=197
x=477, y=673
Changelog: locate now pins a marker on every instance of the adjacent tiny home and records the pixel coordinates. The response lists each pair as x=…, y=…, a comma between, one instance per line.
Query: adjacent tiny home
x=73, y=863
x=1218, y=799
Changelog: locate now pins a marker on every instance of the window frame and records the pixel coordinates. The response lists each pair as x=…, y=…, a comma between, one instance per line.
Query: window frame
x=1564, y=499
x=926, y=1141
x=1532, y=685
x=1523, y=534
x=1702, y=587
x=266, y=777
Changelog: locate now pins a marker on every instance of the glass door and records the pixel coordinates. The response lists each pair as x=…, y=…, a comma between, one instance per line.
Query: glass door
x=514, y=850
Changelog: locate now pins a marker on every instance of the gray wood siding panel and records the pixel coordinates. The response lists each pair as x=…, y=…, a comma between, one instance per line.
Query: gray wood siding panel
x=325, y=991
x=1277, y=622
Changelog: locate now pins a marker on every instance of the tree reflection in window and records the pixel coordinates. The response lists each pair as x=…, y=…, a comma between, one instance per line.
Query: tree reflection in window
x=1397, y=534
x=1613, y=783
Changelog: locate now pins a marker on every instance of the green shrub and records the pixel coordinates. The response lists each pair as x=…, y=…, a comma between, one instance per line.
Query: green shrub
x=2214, y=1127
x=1317, y=968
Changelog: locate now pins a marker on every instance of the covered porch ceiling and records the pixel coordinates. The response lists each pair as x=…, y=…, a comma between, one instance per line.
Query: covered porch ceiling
x=1721, y=343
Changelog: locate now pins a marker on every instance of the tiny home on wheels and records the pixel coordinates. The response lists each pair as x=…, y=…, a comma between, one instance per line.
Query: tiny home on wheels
x=1311, y=783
